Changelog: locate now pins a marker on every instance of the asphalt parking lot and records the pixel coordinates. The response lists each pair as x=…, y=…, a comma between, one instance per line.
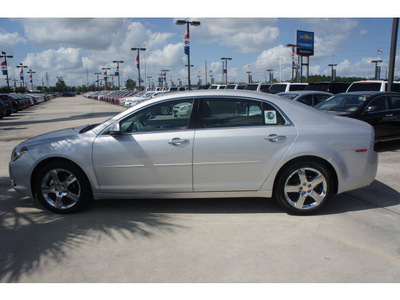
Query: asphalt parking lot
x=355, y=237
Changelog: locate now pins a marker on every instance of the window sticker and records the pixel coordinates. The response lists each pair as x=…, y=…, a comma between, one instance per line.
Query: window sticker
x=270, y=117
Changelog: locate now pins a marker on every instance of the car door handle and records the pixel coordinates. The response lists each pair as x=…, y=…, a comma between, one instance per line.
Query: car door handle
x=274, y=138
x=178, y=141
x=389, y=115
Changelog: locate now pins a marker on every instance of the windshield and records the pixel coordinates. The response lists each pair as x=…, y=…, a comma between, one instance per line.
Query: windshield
x=290, y=96
x=343, y=102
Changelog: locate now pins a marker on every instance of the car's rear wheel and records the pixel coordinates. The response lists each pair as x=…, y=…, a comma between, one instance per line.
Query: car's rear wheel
x=303, y=187
x=62, y=187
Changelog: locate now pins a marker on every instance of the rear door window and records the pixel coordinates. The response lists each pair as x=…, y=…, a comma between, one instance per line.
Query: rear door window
x=237, y=113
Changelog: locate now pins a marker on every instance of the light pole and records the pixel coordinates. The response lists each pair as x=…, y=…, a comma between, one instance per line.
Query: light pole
x=392, y=57
x=293, y=52
x=98, y=80
x=211, y=78
x=333, y=71
x=269, y=74
x=249, y=76
x=191, y=66
x=225, y=68
x=31, y=76
x=21, y=66
x=117, y=73
x=376, y=67
x=105, y=78
x=138, y=61
x=4, y=54
x=187, y=48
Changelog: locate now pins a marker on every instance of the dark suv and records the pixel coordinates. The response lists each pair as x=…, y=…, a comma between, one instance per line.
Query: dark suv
x=7, y=103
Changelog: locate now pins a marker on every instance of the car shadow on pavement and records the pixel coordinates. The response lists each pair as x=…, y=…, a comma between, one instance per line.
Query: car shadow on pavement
x=377, y=195
x=387, y=146
x=31, y=237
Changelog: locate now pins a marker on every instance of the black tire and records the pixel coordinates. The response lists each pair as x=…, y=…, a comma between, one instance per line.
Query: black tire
x=303, y=187
x=165, y=110
x=62, y=187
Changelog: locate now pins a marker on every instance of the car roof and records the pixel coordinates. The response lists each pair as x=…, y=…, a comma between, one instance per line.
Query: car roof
x=368, y=93
x=306, y=92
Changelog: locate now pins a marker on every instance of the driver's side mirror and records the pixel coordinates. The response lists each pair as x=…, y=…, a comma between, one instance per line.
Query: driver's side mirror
x=115, y=129
x=371, y=109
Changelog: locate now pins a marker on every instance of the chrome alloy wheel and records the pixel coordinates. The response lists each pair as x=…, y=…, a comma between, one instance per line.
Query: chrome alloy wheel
x=60, y=188
x=305, y=188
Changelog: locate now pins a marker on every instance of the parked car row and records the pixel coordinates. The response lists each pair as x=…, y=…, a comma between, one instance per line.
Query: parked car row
x=332, y=87
x=125, y=98
x=12, y=103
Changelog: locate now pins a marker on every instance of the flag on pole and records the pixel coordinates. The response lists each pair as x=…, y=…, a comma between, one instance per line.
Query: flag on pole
x=334, y=57
x=380, y=52
x=294, y=52
x=4, y=67
x=117, y=71
x=186, y=42
x=137, y=61
x=21, y=74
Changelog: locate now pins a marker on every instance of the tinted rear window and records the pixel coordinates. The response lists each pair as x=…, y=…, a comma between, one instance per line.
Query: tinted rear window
x=296, y=87
x=251, y=87
x=367, y=86
x=395, y=87
x=264, y=87
x=317, y=87
x=278, y=87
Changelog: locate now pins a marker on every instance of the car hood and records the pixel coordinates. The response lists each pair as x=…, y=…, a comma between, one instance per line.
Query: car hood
x=55, y=135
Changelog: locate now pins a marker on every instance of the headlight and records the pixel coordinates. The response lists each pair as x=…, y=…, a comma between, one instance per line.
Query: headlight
x=18, y=152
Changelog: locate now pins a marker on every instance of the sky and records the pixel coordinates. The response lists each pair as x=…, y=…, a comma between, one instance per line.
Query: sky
x=74, y=44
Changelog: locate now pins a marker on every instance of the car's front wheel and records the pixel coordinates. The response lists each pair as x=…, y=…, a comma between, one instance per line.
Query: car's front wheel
x=62, y=187
x=303, y=187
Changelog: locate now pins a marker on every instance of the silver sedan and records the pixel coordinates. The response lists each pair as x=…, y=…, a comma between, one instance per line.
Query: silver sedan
x=231, y=144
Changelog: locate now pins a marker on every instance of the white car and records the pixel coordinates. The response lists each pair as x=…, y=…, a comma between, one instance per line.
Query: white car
x=231, y=144
x=182, y=109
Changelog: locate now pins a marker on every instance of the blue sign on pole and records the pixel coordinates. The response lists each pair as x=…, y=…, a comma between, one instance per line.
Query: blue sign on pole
x=305, y=41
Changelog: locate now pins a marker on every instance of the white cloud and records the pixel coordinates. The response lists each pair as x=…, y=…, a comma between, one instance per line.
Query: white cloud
x=9, y=40
x=52, y=59
x=84, y=33
x=278, y=59
x=171, y=56
x=242, y=34
x=330, y=34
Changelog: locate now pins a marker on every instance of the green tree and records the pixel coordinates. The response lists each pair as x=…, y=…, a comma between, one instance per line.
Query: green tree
x=130, y=84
